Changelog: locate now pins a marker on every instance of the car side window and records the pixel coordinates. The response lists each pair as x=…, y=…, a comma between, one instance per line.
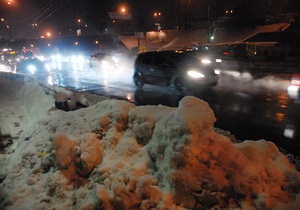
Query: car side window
x=162, y=62
x=146, y=59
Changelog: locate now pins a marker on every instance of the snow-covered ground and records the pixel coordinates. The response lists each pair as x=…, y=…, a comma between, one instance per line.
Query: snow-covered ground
x=115, y=155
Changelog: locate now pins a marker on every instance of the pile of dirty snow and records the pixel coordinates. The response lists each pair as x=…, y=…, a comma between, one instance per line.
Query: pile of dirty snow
x=115, y=155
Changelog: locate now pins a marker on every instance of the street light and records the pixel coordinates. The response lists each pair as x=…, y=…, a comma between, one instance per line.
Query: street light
x=8, y=27
x=157, y=15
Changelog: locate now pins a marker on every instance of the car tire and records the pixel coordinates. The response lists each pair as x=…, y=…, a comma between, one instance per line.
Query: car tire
x=138, y=79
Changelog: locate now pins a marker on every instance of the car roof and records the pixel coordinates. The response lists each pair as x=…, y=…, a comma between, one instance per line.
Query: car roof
x=166, y=52
x=178, y=56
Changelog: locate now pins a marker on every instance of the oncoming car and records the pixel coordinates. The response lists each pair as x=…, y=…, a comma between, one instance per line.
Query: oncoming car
x=31, y=66
x=102, y=60
x=10, y=56
x=173, y=68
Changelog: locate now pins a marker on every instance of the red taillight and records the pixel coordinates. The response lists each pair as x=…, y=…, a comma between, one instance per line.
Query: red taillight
x=225, y=53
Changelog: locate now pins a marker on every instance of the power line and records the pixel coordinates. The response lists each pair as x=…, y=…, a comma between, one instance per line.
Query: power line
x=46, y=12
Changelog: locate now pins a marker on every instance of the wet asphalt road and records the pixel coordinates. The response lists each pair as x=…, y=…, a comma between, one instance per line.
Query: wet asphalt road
x=250, y=105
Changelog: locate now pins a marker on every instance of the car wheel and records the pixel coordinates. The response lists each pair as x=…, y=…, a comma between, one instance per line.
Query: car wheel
x=138, y=79
x=180, y=85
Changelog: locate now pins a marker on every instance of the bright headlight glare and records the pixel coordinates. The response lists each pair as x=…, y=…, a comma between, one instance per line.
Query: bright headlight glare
x=217, y=71
x=115, y=59
x=80, y=59
x=205, y=61
x=195, y=74
x=219, y=60
x=31, y=68
x=105, y=63
x=293, y=88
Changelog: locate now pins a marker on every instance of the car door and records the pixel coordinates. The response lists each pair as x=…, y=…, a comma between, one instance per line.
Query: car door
x=143, y=66
x=150, y=68
x=162, y=69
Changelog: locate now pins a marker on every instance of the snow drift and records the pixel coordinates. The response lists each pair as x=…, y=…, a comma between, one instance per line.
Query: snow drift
x=115, y=155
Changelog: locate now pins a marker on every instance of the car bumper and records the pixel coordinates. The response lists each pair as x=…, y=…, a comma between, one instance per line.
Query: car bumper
x=200, y=82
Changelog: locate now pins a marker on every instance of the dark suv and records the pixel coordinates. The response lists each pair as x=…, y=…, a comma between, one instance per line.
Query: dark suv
x=172, y=68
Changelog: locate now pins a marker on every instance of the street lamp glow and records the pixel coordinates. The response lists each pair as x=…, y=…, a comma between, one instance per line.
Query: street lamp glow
x=123, y=10
x=157, y=14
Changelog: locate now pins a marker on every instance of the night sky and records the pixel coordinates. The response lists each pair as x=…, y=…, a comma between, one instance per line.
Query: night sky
x=62, y=14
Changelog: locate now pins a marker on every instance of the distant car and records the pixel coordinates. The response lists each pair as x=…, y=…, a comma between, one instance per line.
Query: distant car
x=10, y=57
x=294, y=88
x=172, y=68
x=102, y=60
x=31, y=66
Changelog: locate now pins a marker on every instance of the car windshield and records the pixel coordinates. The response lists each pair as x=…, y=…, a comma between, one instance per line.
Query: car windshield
x=184, y=59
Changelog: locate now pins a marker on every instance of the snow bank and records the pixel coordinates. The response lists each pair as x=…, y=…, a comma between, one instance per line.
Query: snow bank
x=115, y=155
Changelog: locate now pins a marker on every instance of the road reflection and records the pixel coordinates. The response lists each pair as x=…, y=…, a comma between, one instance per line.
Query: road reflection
x=263, y=116
x=249, y=108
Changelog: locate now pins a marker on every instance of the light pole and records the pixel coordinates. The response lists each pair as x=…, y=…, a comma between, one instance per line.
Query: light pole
x=124, y=24
x=78, y=30
x=157, y=15
x=208, y=25
x=9, y=31
x=210, y=28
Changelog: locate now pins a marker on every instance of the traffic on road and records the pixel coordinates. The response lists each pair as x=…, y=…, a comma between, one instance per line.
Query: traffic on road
x=249, y=106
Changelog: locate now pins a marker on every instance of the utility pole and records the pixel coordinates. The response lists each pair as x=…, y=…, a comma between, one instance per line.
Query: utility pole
x=208, y=26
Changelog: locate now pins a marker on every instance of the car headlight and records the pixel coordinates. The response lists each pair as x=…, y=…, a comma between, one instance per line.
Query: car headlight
x=217, y=71
x=219, y=60
x=31, y=68
x=115, y=59
x=205, y=61
x=195, y=74
x=105, y=63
